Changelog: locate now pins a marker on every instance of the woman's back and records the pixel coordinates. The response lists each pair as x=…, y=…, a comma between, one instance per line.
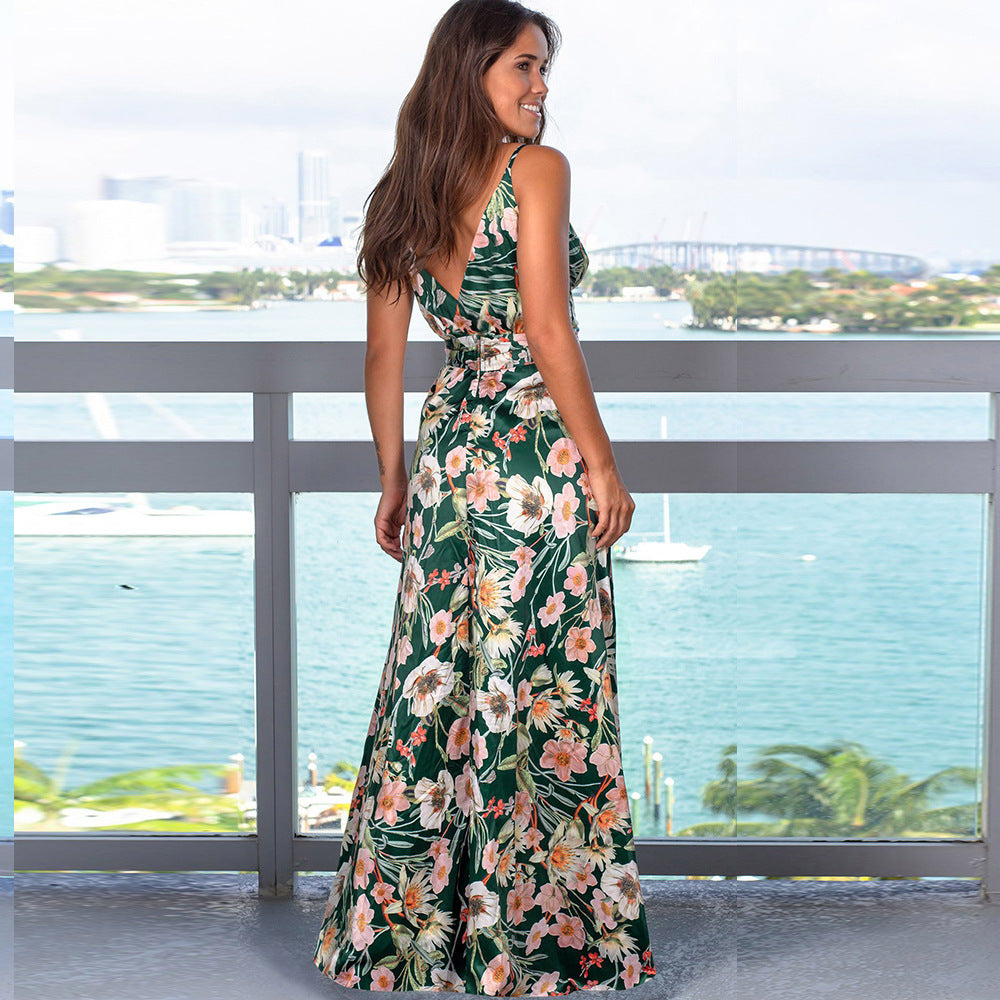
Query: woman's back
x=486, y=298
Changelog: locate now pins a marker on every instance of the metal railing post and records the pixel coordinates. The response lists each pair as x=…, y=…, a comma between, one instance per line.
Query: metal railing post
x=989, y=886
x=275, y=666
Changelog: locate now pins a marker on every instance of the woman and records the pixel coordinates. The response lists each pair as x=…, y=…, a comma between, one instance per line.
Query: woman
x=488, y=848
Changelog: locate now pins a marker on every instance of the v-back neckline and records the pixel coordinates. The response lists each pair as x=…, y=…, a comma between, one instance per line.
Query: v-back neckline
x=470, y=256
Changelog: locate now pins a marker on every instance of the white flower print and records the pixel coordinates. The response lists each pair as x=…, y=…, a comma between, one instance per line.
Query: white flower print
x=429, y=684
x=530, y=504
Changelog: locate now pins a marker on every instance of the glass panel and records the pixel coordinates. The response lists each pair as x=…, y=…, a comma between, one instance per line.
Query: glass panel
x=802, y=620
x=859, y=632
x=345, y=593
x=134, y=635
x=712, y=416
x=134, y=416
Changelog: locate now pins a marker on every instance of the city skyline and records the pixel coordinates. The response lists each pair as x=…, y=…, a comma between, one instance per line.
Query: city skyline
x=873, y=135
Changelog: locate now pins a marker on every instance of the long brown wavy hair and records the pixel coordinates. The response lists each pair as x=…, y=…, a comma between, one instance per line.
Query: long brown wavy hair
x=446, y=140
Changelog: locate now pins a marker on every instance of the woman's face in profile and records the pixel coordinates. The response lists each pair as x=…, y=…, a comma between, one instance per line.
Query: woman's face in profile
x=515, y=83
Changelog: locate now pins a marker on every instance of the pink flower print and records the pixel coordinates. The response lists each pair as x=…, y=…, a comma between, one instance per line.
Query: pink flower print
x=440, y=873
x=362, y=932
x=478, y=748
x=554, y=607
x=550, y=898
x=480, y=240
x=563, y=457
x=631, y=970
x=404, y=649
x=519, y=582
x=579, y=645
x=348, y=977
x=491, y=854
x=520, y=900
x=538, y=931
x=383, y=978
x=583, y=877
x=565, y=757
x=467, y=792
x=523, y=555
x=481, y=487
x=382, y=892
x=364, y=865
x=576, y=580
x=454, y=462
x=416, y=531
x=607, y=759
x=569, y=930
x=604, y=908
x=524, y=693
x=441, y=627
x=545, y=985
x=439, y=849
x=496, y=975
x=490, y=383
x=593, y=613
x=564, y=505
x=533, y=838
x=521, y=813
x=459, y=738
x=508, y=221
x=391, y=801
x=619, y=796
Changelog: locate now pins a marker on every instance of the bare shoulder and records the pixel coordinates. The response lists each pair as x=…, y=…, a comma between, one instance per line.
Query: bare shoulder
x=542, y=169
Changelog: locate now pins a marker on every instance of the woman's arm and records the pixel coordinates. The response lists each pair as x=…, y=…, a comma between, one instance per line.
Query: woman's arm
x=541, y=178
x=388, y=323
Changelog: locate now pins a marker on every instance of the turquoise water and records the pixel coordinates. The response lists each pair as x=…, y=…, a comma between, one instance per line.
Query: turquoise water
x=139, y=652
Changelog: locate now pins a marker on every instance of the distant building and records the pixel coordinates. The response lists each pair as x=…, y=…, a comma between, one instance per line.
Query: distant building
x=204, y=212
x=7, y=213
x=319, y=210
x=638, y=291
x=113, y=233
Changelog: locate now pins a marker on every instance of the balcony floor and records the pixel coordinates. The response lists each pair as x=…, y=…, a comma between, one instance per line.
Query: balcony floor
x=204, y=936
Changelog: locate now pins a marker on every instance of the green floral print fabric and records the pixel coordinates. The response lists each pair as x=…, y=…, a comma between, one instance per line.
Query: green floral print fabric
x=488, y=847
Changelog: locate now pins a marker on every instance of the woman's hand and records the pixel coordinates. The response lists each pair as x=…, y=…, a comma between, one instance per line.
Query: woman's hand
x=389, y=519
x=615, y=506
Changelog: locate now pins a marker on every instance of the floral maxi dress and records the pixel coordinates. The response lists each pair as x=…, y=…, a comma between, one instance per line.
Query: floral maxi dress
x=488, y=847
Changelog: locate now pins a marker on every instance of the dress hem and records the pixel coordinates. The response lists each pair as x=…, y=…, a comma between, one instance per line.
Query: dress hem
x=644, y=976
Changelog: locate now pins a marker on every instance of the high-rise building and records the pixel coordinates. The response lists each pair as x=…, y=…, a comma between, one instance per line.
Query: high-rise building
x=7, y=213
x=319, y=211
x=204, y=212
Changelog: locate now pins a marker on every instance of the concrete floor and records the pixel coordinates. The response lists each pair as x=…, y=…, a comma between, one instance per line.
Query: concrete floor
x=202, y=936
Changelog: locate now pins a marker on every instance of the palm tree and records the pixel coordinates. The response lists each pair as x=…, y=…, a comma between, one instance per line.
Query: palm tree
x=169, y=791
x=840, y=790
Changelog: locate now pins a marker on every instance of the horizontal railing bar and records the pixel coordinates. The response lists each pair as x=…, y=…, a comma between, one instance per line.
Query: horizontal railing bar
x=647, y=466
x=615, y=366
x=727, y=856
x=677, y=856
x=109, y=851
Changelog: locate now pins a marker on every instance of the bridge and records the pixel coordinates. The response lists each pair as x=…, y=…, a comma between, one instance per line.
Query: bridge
x=763, y=258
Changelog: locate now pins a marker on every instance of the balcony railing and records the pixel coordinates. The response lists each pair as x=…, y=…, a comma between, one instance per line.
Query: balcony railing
x=273, y=466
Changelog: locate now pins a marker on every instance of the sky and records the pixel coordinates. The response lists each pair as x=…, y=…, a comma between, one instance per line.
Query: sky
x=861, y=125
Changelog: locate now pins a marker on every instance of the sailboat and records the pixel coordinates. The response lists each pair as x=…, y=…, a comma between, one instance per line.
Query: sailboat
x=665, y=550
x=74, y=514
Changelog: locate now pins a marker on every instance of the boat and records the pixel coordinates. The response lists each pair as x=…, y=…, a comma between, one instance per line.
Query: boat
x=661, y=550
x=73, y=514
